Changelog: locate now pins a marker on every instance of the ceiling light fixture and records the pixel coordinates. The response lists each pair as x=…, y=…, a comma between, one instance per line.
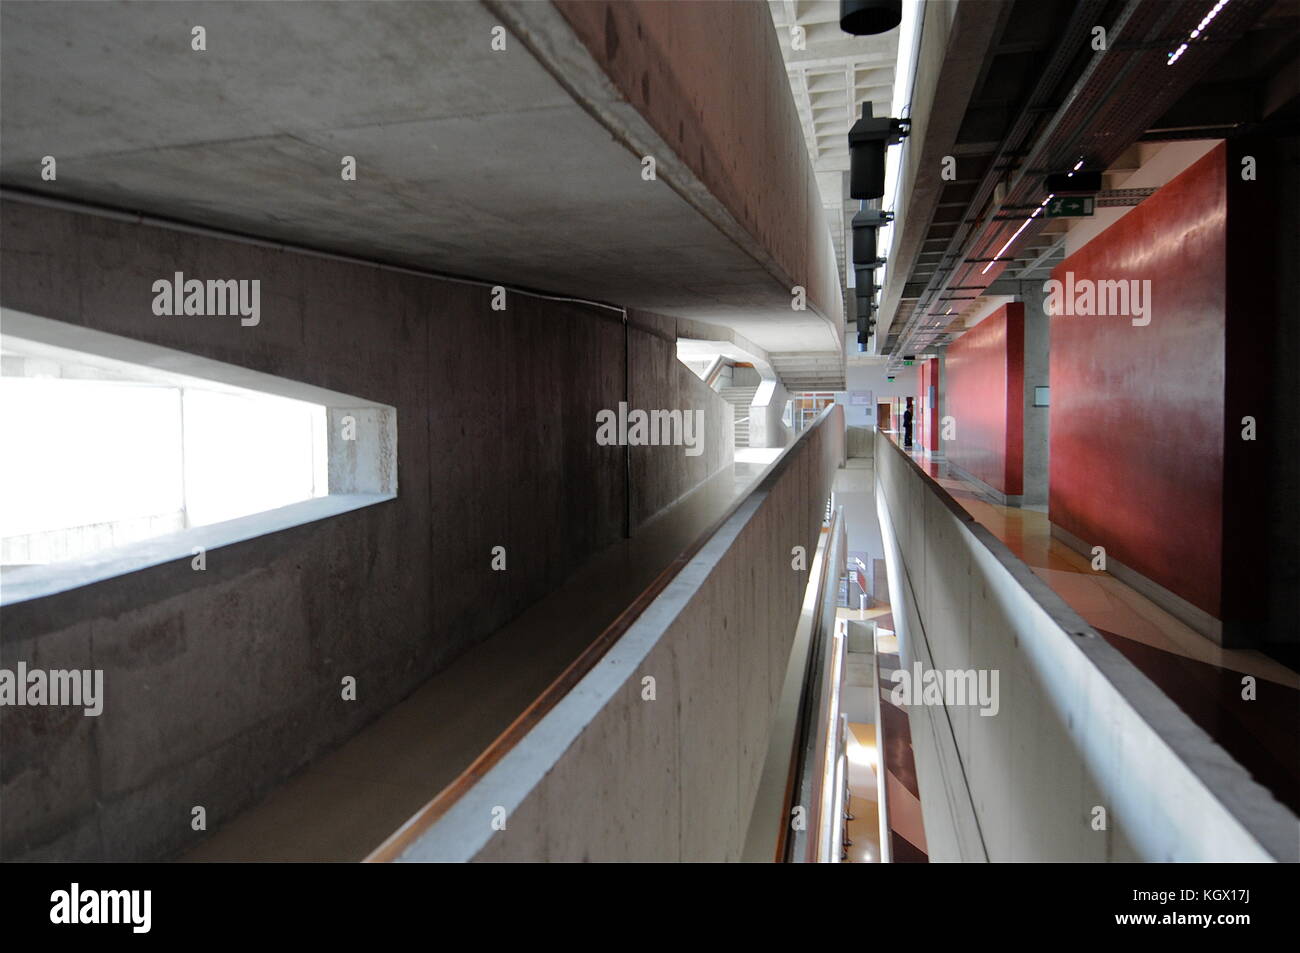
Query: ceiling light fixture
x=1196, y=33
x=866, y=224
x=870, y=17
x=1017, y=234
x=868, y=139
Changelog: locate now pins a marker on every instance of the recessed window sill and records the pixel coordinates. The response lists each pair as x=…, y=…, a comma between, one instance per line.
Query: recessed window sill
x=22, y=583
x=348, y=461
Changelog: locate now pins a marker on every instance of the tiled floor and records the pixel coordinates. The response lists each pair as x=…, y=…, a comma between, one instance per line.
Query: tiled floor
x=1203, y=679
x=345, y=804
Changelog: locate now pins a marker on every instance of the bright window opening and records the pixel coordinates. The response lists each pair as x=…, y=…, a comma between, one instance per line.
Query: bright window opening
x=100, y=454
x=117, y=455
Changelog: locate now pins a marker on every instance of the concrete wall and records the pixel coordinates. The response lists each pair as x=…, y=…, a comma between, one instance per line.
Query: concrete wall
x=731, y=119
x=1077, y=726
x=609, y=775
x=874, y=377
x=766, y=416
x=658, y=381
x=1036, y=447
x=222, y=682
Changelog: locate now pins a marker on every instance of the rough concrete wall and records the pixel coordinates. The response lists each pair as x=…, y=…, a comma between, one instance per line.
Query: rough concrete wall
x=658, y=381
x=731, y=119
x=766, y=425
x=610, y=776
x=220, y=683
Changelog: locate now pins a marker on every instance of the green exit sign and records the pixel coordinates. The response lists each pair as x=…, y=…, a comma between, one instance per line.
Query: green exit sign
x=1070, y=206
x=907, y=363
x=890, y=378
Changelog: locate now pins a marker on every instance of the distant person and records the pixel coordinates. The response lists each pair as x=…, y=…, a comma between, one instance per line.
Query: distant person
x=907, y=425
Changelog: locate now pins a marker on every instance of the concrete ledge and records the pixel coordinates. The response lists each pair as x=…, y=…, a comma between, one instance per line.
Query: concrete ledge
x=36, y=582
x=949, y=816
x=1178, y=607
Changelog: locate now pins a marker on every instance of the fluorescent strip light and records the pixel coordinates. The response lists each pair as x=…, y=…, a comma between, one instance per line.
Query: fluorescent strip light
x=1017, y=234
x=1196, y=33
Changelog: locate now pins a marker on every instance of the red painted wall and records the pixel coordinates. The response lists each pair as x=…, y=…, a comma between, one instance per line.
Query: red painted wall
x=985, y=388
x=1137, y=413
x=927, y=409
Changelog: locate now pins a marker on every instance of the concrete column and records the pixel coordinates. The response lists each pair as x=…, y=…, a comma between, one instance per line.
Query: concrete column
x=1037, y=347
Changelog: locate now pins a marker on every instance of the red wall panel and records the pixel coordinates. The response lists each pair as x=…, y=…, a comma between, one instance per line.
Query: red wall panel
x=927, y=406
x=985, y=389
x=1137, y=413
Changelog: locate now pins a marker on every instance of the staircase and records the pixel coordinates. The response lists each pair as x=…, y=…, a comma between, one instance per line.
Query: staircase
x=740, y=398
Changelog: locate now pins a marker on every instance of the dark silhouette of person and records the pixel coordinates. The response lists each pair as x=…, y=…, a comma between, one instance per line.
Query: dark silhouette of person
x=907, y=425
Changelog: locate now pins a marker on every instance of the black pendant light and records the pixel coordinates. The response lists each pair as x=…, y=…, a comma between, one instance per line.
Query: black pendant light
x=866, y=225
x=865, y=277
x=869, y=17
x=866, y=307
x=868, y=138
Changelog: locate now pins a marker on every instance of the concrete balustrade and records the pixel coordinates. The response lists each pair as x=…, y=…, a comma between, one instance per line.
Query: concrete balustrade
x=627, y=769
x=1077, y=728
